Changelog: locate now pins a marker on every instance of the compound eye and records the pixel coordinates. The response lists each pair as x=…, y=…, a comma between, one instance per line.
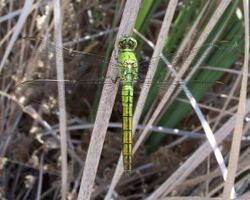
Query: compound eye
x=127, y=43
x=121, y=43
x=131, y=43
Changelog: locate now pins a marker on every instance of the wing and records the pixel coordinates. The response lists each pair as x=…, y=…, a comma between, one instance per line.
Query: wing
x=76, y=63
x=200, y=79
x=180, y=57
x=83, y=76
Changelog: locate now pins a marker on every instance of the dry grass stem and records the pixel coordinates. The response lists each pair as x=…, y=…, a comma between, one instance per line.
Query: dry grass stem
x=61, y=106
x=105, y=108
x=151, y=71
x=238, y=130
x=61, y=95
x=195, y=160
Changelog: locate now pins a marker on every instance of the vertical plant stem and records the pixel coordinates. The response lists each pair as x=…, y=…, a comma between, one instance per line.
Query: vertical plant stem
x=61, y=96
x=238, y=131
x=216, y=16
x=151, y=71
x=40, y=182
x=105, y=107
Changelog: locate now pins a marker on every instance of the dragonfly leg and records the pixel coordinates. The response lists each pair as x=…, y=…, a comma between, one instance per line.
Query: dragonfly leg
x=115, y=80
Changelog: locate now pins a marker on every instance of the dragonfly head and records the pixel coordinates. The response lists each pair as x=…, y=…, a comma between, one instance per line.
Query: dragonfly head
x=127, y=43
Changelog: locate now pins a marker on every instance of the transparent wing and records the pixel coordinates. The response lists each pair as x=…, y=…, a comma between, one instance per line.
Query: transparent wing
x=77, y=93
x=84, y=91
x=77, y=65
x=83, y=73
x=42, y=47
x=192, y=54
x=199, y=79
x=76, y=59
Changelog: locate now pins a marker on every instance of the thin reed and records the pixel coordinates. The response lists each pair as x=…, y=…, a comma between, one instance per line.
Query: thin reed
x=61, y=110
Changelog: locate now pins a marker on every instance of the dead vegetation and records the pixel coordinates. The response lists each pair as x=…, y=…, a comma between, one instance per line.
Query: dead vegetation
x=175, y=160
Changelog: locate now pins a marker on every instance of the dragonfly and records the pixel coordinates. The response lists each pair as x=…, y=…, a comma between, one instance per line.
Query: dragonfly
x=79, y=70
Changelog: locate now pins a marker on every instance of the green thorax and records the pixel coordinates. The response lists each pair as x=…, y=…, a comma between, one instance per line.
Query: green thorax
x=127, y=62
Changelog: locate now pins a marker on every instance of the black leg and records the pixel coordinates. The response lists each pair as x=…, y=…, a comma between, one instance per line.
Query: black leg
x=115, y=80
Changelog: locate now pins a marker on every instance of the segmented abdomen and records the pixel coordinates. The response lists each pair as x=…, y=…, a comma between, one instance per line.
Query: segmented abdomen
x=127, y=106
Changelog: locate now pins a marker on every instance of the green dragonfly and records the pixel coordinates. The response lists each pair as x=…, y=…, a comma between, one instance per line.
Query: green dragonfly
x=82, y=70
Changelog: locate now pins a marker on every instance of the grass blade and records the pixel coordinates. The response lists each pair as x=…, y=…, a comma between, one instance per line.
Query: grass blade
x=21, y=21
x=238, y=131
x=195, y=160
